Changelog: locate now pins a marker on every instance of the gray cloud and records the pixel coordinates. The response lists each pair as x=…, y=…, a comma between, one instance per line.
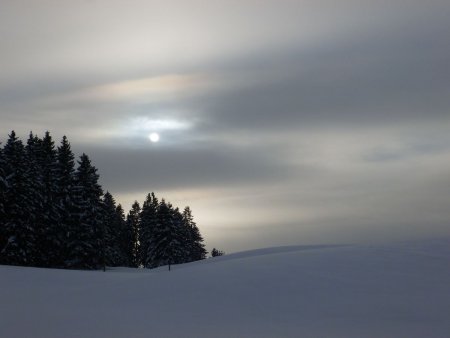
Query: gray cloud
x=365, y=81
x=217, y=165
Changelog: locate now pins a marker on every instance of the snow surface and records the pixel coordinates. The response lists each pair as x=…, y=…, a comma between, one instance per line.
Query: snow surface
x=397, y=290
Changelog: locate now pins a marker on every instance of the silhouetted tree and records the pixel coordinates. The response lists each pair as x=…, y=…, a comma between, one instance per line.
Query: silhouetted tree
x=53, y=215
x=19, y=243
x=196, y=248
x=86, y=228
x=215, y=252
x=182, y=254
x=65, y=181
x=50, y=235
x=3, y=188
x=35, y=192
x=124, y=237
x=133, y=231
x=112, y=230
x=148, y=224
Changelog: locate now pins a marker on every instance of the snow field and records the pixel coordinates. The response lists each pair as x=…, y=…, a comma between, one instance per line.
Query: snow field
x=397, y=290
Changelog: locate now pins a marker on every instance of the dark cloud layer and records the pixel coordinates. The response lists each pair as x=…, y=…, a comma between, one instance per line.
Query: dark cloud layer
x=367, y=81
x=215, y=166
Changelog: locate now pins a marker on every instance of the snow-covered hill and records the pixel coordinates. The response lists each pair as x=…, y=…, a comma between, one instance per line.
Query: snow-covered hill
x=399, y=290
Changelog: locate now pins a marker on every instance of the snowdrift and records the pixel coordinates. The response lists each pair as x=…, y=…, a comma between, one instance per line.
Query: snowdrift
x=398, y=290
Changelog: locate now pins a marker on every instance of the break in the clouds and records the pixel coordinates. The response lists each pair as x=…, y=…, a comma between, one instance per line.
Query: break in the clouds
x=280, y=122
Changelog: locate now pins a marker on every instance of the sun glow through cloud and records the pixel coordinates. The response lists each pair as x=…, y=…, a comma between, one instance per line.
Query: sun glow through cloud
x=151, y=129
x=145, y=124
x=154, y=137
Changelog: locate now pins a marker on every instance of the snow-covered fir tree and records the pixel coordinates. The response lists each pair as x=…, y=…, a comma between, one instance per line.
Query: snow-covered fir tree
x=36, y=196
x=51, y=235
x=182, y=234
x=166, y=245
x=53, y=215
x=112, y=232
x=124, y=236
x=148, y=223
x=133, y=224
x=196, y=248
x=65, y=176
x=3, y=186
x=85, y=249
x=19, y=244
x=168, y=236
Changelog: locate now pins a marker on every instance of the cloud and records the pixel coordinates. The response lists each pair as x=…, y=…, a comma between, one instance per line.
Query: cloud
x=159, y=167
x=363, y=82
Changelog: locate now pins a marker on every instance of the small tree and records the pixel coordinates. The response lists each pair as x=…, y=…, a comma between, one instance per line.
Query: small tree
x=216, y=253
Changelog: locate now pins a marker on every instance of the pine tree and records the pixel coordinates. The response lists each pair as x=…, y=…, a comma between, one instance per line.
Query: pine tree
x=165, y=248
x=35, y=196
x=112, y=228
x=124, y=237
x=51, y=235
x=65, y=176
x=54, y=216
x=3, y=188
x=183, y=235
x=86, y=229
x=133, y=225
x=19, y=247
x=148, y=222
x=196, y=248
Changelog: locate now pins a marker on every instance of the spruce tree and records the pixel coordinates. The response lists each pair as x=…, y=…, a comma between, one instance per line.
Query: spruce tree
x=86, y=228
x=65, y=176
x=51, y=235
x=19, y=244
x=133, y=225
x=196, y=248
x=148, y=222
x=36, y=196
x=54, y=216
x=183, y=235
x=166, y=242
x=112, y=230
x=124, y=237
x=3, y=187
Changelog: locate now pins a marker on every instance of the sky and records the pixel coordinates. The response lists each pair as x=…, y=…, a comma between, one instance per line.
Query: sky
x=281, y=122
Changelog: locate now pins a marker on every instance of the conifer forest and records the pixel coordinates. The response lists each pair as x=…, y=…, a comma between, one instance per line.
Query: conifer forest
x=55, y=214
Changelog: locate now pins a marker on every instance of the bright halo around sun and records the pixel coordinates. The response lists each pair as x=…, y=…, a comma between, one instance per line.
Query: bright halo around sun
x=154, y=137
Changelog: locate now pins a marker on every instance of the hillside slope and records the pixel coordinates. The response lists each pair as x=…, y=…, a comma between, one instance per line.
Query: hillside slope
x=400, y=290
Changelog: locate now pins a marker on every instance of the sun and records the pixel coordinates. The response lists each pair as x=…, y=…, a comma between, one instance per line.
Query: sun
x=154, y=137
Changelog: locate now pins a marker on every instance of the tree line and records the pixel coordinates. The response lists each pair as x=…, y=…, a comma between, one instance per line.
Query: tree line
x=55, y=214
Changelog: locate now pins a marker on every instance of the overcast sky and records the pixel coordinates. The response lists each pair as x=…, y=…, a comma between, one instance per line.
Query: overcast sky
x=280, y=122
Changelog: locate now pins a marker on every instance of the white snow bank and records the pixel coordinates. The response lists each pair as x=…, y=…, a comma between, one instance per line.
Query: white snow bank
x=400, y=290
